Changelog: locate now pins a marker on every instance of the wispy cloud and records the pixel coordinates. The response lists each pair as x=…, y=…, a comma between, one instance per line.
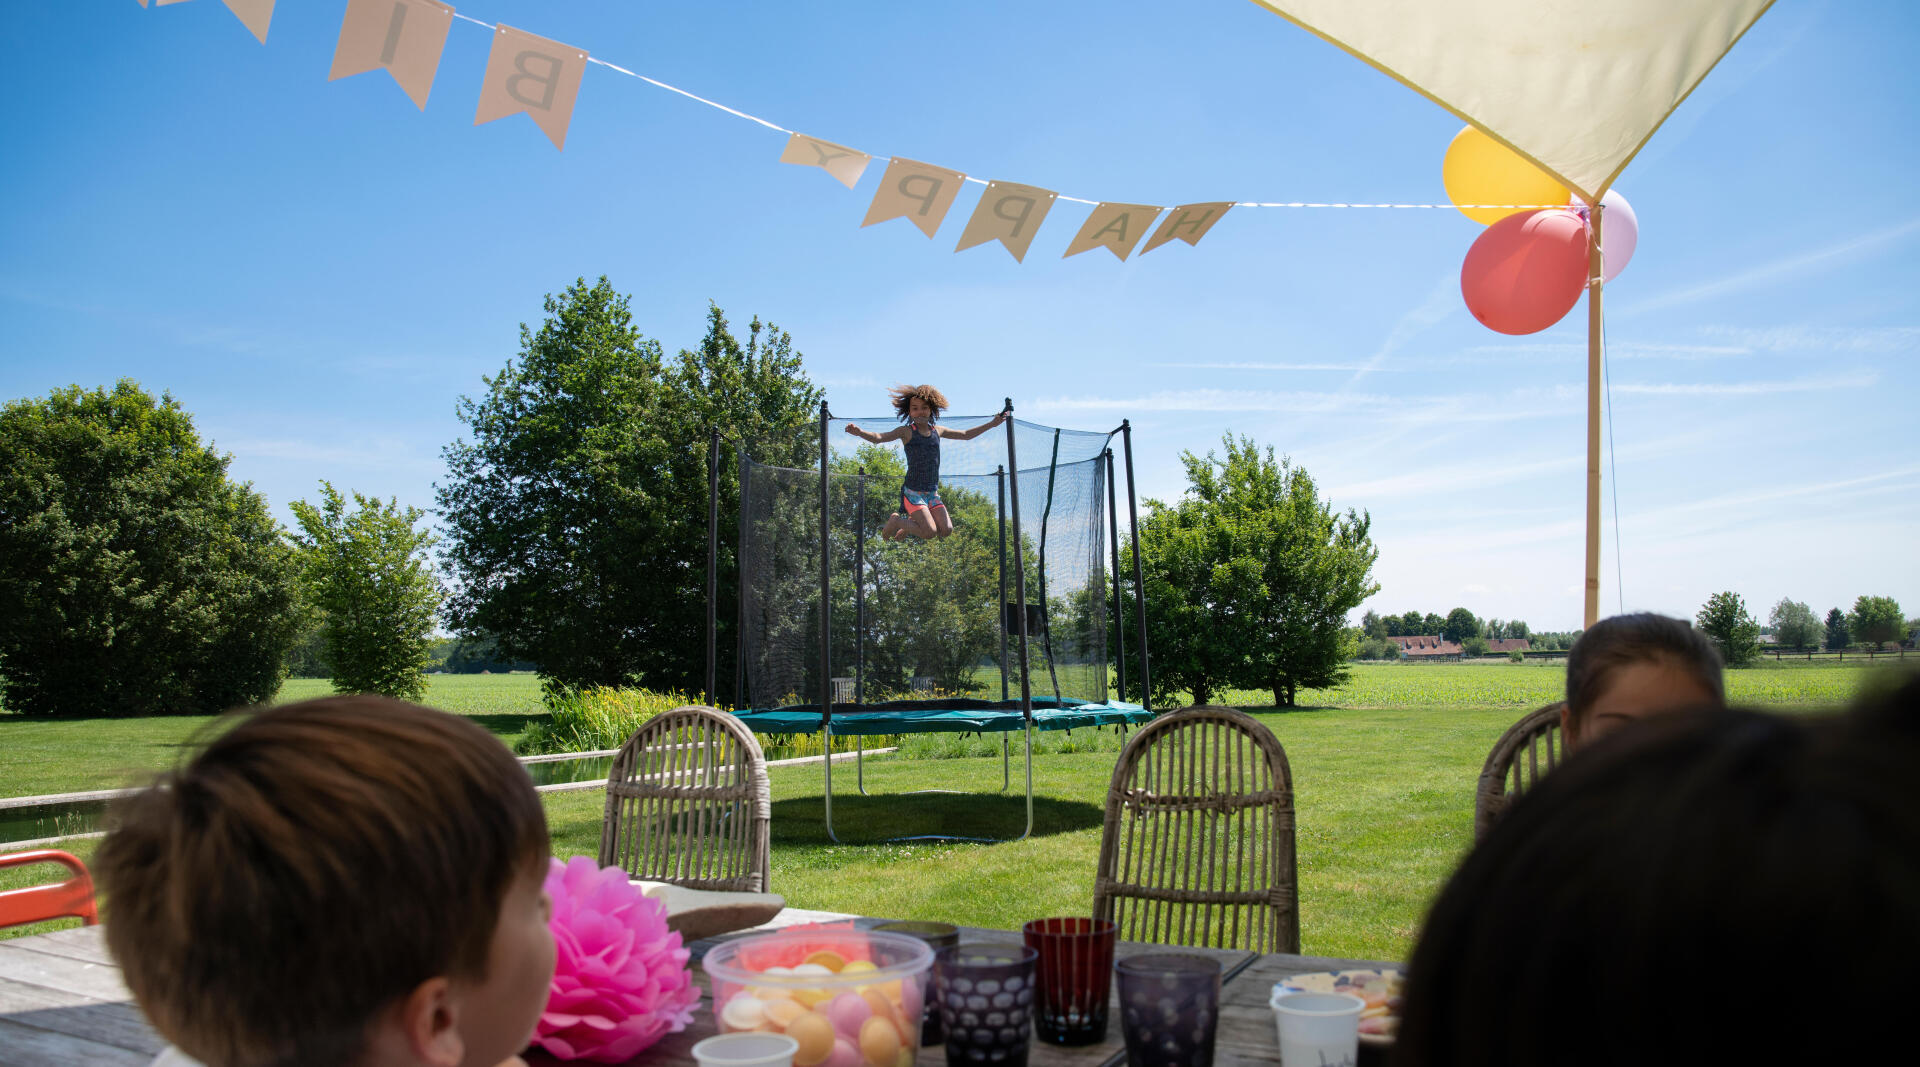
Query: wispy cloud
x=1783, y=269
x=1758, y=388
x=1857, y=339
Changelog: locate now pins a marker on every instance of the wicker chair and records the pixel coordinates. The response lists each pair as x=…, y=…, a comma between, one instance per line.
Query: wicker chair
x=1198, y=846
x=1529, y=749
x=688, y=803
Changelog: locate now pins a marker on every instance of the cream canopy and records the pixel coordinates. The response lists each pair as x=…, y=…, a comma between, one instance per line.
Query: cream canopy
x=1577, y=86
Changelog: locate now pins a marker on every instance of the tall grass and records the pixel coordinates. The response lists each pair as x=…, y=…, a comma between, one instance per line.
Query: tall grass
x=600, y=717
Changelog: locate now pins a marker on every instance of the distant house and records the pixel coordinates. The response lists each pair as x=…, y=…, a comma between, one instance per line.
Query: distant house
x=1428, y=646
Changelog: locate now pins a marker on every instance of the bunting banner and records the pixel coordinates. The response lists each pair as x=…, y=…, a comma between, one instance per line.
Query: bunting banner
x=845, y=164
x=541, y=77
x=1114, y=227
x=919, y=192
x=1189, y=222
x=404, y=36
x=1010, y=214
x=534, y=75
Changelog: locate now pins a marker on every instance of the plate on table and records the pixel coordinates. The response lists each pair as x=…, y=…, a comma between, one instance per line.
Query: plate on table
x=1380, y=989
x=701, y=913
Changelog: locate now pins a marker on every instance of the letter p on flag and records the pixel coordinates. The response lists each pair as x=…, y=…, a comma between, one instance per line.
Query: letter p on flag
x=534, y=75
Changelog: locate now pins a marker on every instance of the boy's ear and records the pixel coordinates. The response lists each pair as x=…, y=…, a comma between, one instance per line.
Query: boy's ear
x=429, y=1022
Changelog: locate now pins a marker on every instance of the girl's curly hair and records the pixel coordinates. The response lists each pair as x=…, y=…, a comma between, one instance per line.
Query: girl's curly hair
x=903, y=397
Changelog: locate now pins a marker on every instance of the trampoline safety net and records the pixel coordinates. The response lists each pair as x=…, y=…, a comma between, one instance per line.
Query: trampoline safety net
x=928, y=622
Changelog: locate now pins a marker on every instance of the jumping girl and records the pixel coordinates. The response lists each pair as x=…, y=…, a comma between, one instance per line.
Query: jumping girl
x=921, y=512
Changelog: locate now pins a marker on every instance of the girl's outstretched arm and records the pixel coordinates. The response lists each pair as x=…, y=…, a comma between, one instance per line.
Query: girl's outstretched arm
x=968, y=435
x=876, y=438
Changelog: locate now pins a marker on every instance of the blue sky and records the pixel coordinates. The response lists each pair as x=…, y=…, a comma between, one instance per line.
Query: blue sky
x=318, y=270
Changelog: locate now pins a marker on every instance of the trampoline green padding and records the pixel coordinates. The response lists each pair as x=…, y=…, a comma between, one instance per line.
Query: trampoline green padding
x=945, y=717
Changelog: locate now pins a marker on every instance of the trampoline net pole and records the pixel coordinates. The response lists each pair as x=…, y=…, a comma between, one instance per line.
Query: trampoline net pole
x=1119, y=612
x=1139, y=589
x=713, y=564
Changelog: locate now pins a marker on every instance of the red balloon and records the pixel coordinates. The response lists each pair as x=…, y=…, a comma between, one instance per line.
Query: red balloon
x=1526, y=271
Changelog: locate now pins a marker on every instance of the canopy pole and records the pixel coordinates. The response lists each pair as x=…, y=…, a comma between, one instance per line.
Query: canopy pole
x=1594, y=333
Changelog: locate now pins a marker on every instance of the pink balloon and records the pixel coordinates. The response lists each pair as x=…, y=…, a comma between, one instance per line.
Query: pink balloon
x=1526, y=271
x=1619, y=232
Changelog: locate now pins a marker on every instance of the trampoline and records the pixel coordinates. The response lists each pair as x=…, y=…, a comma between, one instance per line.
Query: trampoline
x=1001, y=627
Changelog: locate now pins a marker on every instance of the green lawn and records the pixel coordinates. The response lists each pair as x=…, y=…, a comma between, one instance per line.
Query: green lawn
x=1383, y=772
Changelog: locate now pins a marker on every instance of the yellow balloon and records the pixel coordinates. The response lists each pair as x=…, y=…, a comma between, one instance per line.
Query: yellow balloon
x=1481, y=170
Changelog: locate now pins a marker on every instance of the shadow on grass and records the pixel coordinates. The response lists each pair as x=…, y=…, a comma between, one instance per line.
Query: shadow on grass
x=508, y=724
x=874, y=819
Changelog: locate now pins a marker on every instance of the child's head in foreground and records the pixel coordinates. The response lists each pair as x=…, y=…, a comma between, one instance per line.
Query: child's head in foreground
x=352, y=880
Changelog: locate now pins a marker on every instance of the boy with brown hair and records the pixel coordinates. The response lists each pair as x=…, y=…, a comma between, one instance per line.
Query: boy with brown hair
x=351, y=880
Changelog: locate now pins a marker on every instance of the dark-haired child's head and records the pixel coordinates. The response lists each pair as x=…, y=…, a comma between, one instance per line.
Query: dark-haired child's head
x=911, y=401
x=1629, y=666
x=352, y=880
x=1646, y=901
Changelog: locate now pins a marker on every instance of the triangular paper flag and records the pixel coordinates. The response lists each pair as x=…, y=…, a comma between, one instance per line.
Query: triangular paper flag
x=919, y=192
x=1189, y=222
x=1114, y=227
x=404, y=36
x=1010, y=214
x=254, y=14
x=846, y=164
x=531, y=74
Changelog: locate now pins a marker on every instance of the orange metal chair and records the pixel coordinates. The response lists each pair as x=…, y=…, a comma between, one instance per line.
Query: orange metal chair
x=72, y=898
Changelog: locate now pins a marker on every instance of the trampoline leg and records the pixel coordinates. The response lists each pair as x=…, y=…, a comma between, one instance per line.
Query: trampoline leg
x=826, y=747
x=1006, y=779
x=860, y=763
x=1029, y=830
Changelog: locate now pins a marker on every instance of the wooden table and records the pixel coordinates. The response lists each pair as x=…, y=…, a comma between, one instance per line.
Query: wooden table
x=62, y=1002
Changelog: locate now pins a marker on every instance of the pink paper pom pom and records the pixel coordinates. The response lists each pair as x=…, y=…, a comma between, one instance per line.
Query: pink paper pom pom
x=620, y=977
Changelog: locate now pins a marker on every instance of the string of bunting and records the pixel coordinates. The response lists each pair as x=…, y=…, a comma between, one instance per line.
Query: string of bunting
x=539, y=77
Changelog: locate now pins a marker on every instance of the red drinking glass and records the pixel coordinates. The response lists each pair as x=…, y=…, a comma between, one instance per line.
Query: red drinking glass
x=1075, y=975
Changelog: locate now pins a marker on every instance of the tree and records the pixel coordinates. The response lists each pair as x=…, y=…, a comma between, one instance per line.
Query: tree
x=1877, y=620
x=1794, y=624
x=1432, y=624
x=1460, y=625
x=135, y=578
x=1267, y=574
x=1838, y=635
x=368, y=575
x=1517, y=630
x=1725, y=621
x=1372, y=625
x=1494, y=630
x=1474, y=645
x=1413, y=624
x=576, y=515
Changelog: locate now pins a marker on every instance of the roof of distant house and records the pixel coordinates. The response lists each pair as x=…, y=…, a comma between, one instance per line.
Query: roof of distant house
x=1426, y=645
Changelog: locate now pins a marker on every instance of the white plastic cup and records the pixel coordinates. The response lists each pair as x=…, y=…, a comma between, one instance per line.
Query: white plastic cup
x=1317, y=1029
x=746, y=1050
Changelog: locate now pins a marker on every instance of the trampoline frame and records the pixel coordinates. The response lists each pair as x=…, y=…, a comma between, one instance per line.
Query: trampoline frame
x=1011, y=470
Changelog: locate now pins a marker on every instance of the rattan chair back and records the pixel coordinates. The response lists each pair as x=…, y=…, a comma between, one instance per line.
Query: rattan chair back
x=1198, y=847
x=688, y=803
x=1529, y=749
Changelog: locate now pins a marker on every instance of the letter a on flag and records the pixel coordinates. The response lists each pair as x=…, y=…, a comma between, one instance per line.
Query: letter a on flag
x=254, y=14
x=534, y=75
x=1114, y=227
x=404, y=36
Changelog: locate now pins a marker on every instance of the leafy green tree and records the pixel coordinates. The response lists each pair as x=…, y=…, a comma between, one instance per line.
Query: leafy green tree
x=1263, y=575
x=369, y=577
x=1377, y=648
x=1460, y=625
x=1725, y=621
x=1794, y=624
x=1474, y=645
x=576, y=514
x=1838, y=635
x=1372, y=625
x=1494, y=630
x=1517, y=630
x=135, y=578
x=1432, y=624
x=1877, y=620
x=1414, y=624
